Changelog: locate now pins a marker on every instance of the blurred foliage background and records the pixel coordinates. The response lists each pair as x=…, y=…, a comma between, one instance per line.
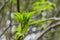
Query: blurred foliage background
x=8, y=23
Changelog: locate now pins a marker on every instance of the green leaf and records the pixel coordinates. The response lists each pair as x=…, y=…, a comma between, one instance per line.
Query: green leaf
x=13, y=1
x=18, y=35
x=30, y=14
x=34, y=22
x=42, y=0
x=24, y=18
x=25, y=29
x=43, y=5
x=18, y=16
x=24, y=15
x=18, y=29
x=53, y=5
x=6, y=8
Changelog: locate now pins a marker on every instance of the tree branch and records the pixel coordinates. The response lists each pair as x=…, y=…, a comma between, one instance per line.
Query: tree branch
x=3, y=5
x=38, y=36
x=18, y=5
x=7, y=29
x=39, y=21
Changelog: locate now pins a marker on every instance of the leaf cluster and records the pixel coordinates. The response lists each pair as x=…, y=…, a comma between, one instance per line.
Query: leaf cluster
x=24, y=18
x=43, y=5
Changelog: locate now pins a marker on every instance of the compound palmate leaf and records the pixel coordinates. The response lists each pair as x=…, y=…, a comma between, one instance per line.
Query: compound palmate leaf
x=23, y=20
